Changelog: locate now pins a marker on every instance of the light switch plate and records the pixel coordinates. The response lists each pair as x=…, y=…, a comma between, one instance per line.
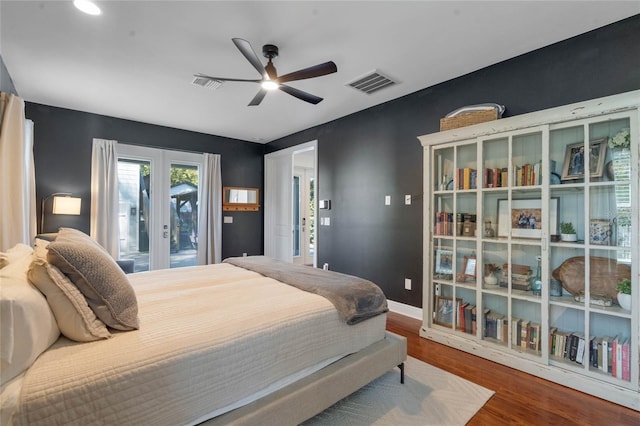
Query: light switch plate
x=228, y=219
x=407, y=200
x=387, y=200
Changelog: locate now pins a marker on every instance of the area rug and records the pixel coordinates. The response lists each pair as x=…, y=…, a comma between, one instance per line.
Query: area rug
x=429, y=396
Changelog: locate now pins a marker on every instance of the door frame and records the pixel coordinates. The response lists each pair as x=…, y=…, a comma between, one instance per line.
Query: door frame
x=272, y=194
x=160, y=214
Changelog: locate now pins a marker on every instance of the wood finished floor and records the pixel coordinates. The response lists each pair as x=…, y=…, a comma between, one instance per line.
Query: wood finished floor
x=520, y=398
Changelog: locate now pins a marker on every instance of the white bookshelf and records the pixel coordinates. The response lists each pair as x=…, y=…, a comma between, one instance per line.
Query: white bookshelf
x=525, y=149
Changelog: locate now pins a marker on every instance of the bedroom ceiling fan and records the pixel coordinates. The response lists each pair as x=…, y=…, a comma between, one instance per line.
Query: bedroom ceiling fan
x=270, y=79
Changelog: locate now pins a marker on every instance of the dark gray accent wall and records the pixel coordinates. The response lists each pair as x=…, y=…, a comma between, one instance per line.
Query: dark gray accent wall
x=62, y=150
x=373, y=153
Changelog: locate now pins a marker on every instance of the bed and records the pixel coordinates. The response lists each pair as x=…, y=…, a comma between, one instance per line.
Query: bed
x=213, y=344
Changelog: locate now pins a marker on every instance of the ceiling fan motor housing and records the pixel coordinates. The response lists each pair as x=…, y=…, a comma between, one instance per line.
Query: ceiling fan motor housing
x=270, y=51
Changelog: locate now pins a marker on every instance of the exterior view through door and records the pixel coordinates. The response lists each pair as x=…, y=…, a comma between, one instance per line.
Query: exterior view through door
x=158, y=207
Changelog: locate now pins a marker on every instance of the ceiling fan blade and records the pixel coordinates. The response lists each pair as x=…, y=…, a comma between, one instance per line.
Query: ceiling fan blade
x=226, y=79
x=307, y=97
x=314, y=71
x=258, y=97
x=245, y=48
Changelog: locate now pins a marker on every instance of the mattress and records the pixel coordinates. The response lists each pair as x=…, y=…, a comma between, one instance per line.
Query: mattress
x=209, y=336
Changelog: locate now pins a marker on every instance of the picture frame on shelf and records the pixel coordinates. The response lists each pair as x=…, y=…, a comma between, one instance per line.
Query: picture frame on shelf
x=469, y=267
x=525, y=220
x=444, y=310
x=444, y=264
x=574, y=160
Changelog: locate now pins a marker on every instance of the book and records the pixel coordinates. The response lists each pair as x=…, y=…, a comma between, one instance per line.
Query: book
x=552, y=339
x=516, y=331
x=581, y=348
x=626, y=360
x=593, y=354
x=468, y=328
x=616, y=369
x=605, y=350
x=524, y=334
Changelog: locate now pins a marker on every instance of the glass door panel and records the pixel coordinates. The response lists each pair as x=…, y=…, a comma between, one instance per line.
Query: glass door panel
x=183, y=214
x=134, y=177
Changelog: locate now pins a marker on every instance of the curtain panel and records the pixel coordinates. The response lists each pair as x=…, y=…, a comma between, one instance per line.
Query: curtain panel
x=210, y=211
x=17, y=174
x=104, y=195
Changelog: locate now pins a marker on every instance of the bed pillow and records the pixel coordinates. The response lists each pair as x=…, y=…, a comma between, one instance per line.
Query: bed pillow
x=71, y=310
x=18, y=256
x=27, y=324
x=99, y=278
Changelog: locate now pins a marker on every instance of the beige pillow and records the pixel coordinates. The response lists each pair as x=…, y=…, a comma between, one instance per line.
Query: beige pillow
x=73, y=315
x=99, y=278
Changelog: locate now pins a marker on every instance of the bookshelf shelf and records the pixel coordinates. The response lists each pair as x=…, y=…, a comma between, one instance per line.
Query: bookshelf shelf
x=493, y=206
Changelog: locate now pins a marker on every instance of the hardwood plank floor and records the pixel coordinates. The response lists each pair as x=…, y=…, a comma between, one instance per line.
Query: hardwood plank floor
x=520, y=398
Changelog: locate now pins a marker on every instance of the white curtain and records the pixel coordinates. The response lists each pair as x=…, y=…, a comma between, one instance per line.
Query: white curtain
x=17, y=174
x=104, y=195
x=210, y=212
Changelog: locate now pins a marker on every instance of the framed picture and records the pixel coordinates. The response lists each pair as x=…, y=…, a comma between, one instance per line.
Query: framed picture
x=444, y=263
x=444, y=310
x=469, y=267
x=574, y=160
x=525, y=220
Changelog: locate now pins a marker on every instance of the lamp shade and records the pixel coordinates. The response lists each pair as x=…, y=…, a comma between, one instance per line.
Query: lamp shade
x=66, y=205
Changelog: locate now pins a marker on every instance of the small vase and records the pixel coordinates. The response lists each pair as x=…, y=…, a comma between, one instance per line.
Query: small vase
x=621, y=163
x=491, y=279
x=624, y=300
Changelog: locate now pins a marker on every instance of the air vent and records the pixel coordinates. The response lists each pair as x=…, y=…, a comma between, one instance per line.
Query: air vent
x=209, y=83
x=372, y=82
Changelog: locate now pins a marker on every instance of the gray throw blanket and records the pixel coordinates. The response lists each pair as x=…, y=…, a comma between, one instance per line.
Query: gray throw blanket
x=356, y=299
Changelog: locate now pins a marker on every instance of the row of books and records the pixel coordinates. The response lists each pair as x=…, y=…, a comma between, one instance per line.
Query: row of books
x=466, y=178
x=466, y=317
x=444, y=223
x=528, y=174
x=611, y=355
x=525, y=334
x=496, y=177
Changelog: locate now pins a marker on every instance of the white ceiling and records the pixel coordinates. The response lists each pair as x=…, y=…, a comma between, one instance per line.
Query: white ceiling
x=137, y=60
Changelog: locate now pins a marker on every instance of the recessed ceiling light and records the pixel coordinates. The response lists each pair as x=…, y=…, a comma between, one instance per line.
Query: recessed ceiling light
x=87, y=6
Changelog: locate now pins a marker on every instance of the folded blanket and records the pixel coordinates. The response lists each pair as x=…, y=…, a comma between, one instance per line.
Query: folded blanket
x=356, y=299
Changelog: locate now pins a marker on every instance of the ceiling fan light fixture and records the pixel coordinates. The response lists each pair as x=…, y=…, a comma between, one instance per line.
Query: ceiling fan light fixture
x=87, y=6
x=270, y=85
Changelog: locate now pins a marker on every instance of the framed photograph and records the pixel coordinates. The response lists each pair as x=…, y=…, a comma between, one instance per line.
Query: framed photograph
x=525, y=220
x=444, y=310
x=469, y=267
x=444, y=264
x=574, y=160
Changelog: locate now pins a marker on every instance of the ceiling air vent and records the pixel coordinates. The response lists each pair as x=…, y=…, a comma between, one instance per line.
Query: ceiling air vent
x=209, y=83
x=371, y=82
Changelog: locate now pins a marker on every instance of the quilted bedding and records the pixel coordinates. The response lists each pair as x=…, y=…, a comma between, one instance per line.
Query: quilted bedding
x=209, y=336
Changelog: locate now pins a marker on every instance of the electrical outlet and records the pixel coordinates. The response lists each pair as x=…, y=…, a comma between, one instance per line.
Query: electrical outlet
x=407, y=284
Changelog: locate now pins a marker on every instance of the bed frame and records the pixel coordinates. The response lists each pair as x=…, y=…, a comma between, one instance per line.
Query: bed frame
x=304, y=399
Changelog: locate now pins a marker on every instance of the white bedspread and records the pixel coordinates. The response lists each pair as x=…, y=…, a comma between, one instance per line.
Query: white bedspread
x=209, y=336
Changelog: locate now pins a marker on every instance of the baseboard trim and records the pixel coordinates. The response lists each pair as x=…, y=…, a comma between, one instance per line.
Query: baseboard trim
x=408, y=310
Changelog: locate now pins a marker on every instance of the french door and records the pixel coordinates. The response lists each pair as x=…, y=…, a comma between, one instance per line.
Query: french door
x=158, y=204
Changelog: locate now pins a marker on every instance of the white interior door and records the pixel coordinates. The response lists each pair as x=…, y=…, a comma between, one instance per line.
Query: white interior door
x=278, y=207
x=279, y=227
x=159, y=192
